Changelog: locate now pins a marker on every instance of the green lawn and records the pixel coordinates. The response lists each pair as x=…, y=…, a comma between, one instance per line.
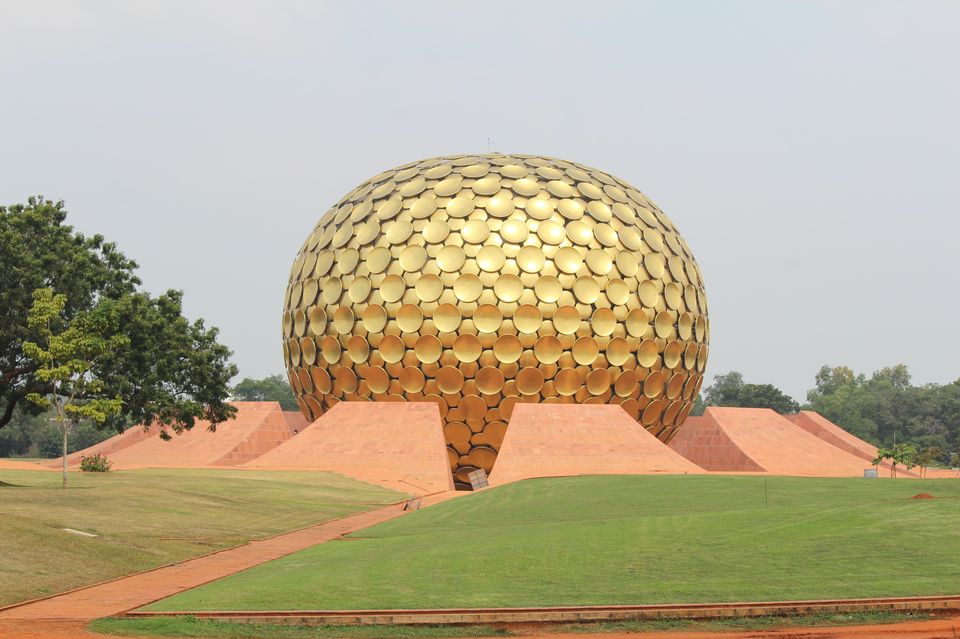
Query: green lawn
x=147, y=518
x=625, y=540
x=212, y=629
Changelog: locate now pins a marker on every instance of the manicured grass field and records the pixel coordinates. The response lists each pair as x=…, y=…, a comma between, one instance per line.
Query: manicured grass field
x=625, y=540
x=193, y=627
x=147, y=518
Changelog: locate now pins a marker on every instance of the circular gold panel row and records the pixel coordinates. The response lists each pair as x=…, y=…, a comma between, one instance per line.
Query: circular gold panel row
x=480, y=281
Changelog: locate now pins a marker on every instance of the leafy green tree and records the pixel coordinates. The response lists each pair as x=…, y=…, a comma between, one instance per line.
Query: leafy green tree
x=65, y=354
x=729, y=389
x=903, y=454
x=273, y=388
x=169, y=371
x=927, y=456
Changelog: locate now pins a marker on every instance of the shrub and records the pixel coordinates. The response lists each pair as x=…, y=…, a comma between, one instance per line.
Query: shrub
x=95, y=463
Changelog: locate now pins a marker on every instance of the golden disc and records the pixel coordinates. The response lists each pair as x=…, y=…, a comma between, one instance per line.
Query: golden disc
x=653, y=239
x=627, y=263
x=567, y=382
x=598, y=381
x=670, y=415
x=446, y=318
x=428, y=349
x=653, y=384
x=530, y=259
x=487, y=185
x=672, y=354
x=460, y=207
x=343, y=320
x=585, y=350
x=483, y=457
x=398, y=232
x=651, y=414
x=391, y=349
x=599, y=261
x=318, y=320
x=467, y=348
x=663, y=324
x=586, y=289
x=409, y=318
x=549, y=172
x=599, y=211
x=412, y=379
x=551, y=232
x=570, y=209
x=690, y=356
x=539, y=209
x=448, y=186
x=617, y=292
x=457, y=434
x=449, y=379
x=392, y=288
x=647, y=353
x=429, y=288
x=685, y=326
x=605, y=234
x=378, y=259
x=514, y=231
x=377, y=379
x=526, y=187
x=308, y=350
x=653, y=262
x=626, y=383
x=489, y=380
x=389, y=208
x=413, y=187
x=374, y=318
x=500, y=206
x=618, y=351
x=475, y=170
x=507, y=349
x=529, y=380
x=673, y=295
x=473, y=407
x=491, y=258
x=648, y=293
x=487, y=318
x=475, y=232
x=331, y=290
x=624, y=213
x=508, y=288
x=560, y=189
x=450, y=258
x=547, y=349
x=675, y=385
x=566, y=319
x=579, y=233
x=321, y=380
x=438, y=172
x=568, y=259
x=527, y=318
x=345, y=378
x=359, y=289
x=631, y=238
x=310, y=288
x=548, y=289
x=467, y=287
x=435, y=231
x=603, y=322
x=590, y=191
x=412, y=258
x=358, y=349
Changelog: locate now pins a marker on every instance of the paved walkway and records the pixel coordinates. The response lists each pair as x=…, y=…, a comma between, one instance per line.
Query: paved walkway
x=128, y=593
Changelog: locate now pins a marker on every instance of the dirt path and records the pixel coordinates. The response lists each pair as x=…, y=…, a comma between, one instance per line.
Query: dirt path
x=127, y=593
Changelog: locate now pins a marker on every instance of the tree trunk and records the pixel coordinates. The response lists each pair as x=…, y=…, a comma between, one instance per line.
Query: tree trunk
x=63, y=427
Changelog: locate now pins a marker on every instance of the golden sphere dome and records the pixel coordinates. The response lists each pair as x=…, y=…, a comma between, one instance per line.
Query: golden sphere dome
x=480, y=281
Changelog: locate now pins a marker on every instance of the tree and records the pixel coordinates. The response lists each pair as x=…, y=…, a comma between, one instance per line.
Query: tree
x=904, y=454
x=927, y=456
x=729, y=389
x=273, y=388
x=65, y=354
x=170, y=371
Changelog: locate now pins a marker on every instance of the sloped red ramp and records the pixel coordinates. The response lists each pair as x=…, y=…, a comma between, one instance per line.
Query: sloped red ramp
x=257, y=428
x=108, y=447
x=395, y=444
x=745, y=439
x=557, y=440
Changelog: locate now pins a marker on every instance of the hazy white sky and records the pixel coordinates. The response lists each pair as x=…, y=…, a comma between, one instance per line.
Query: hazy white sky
x=808, y=151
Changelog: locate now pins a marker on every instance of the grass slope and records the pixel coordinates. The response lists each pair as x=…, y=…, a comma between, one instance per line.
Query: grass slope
x=625, y=540
x=147, y=518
